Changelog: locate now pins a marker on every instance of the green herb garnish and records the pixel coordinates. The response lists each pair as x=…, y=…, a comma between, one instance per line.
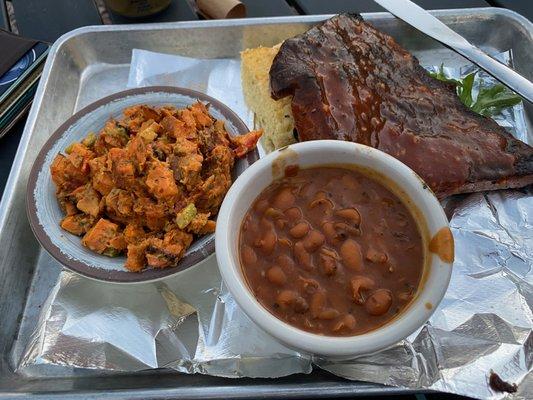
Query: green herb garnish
x=490, y=99
x=441, y=76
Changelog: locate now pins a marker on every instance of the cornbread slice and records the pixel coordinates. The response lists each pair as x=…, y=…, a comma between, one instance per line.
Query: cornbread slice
x=274, y=117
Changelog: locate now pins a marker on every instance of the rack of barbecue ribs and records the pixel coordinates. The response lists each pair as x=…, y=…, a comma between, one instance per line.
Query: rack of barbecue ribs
x=350, y=81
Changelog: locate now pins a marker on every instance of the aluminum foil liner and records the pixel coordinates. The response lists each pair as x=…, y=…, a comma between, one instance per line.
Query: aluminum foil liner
x=192, y=324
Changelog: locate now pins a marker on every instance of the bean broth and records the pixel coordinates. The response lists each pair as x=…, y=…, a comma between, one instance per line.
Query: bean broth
x=331, y=251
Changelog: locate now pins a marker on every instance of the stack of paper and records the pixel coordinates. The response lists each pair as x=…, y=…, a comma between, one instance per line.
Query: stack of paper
x=21, y=65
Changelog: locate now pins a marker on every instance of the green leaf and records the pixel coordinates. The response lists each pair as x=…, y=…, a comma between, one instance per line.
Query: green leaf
x=465, y=90
x=441, y=76
x=492, y=99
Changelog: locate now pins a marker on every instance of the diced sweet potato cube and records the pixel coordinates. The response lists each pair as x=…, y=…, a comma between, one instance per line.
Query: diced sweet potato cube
x=200, y=224
x=155, y=217
x=201, y=115
x=65, y=175
x=167, y=252
x=136, y=149
x=72, y=224
x=88, y=201
x=122, y=168
x=149, y=213
x=134, y=233
x=119, y=203
x=160, y=182
x=70, y=208
x=100, y=236
x=174, y=127
x=114, y=135
x=97, y=164
x=177, y=236
x=103, y=182
x=79, y=156
x=117, y=243
x=187, y=169
x=187, y=116
x=183, y=147
x=136, y=259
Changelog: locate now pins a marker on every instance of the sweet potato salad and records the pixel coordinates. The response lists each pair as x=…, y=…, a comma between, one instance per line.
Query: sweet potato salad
x=148, y=183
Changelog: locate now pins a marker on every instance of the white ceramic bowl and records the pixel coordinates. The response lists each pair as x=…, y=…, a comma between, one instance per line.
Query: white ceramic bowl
x=438, y=243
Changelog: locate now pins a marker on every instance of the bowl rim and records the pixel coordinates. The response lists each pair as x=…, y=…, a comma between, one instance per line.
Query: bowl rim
x=122, y=276
x=331, y=346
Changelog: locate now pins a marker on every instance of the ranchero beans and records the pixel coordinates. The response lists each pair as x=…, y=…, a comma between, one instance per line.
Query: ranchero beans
x=331, y=251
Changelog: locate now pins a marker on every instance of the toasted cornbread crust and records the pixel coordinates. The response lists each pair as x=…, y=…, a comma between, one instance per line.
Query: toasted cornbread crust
x=274, y=117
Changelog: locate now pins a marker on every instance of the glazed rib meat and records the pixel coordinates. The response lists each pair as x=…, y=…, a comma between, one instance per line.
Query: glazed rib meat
x=350, y=81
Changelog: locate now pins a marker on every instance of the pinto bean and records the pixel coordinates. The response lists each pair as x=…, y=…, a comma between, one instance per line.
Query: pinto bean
x=313, y=240
x=286, y=298
x=293, y=214
x=346, y=323
x=302, y=256
x=248, y=256
x=344, y=229
x=328, y=265
x=261, y=206
x=299, y=230
x=284, y=199
x=285, y=242
x=273, y=213
x=289, y=298
x=251, y=228
x=330, y=233
x=285, y=262
x=320, y=195
x=276, y=276
x=379, y=302
x=300, y=305
x=318, y=302
x=308, y=285
x=376, y=256
x=328, y=313
x=281, y=223
x=351, y=256
x=267, y=243
x=350, y=214
x=321, y=200
x=359, y=284
x=266, y=225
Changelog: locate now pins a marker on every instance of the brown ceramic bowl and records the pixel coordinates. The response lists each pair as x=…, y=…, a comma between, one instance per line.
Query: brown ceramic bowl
x=45, y=214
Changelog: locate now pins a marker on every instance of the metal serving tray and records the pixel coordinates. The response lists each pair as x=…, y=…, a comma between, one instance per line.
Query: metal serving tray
x=92, y=62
